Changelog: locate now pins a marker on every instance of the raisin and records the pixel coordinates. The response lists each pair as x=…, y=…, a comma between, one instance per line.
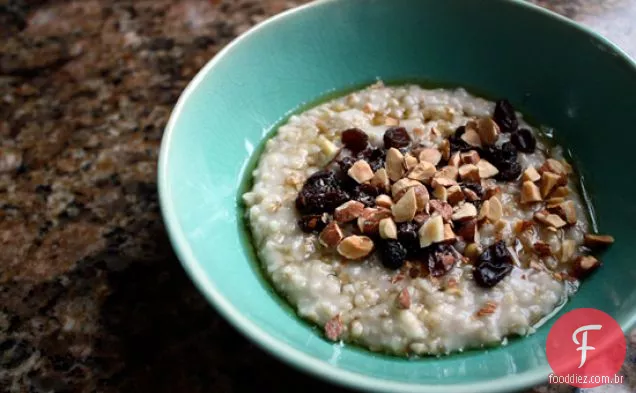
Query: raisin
x=345, y=163
x=396, y=137
x=457, y=143
x=440, y=258
x=505, y=116
x=322, y=192
x=354, y=139
x=493, y=265
x=408, y=237
x=312, y=223
x=509, y=171
x=524, y=140
x=504, y=157
x=364, y=193
x=374, y=157
x=476, y=187
x=392, y=254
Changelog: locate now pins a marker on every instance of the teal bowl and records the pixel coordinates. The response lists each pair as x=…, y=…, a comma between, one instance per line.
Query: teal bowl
x=555, y=71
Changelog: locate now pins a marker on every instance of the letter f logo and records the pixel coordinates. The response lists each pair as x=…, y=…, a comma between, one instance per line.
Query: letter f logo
x=584, y=347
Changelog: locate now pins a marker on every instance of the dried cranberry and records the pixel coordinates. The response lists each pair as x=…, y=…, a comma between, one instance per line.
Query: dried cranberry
x=524, y=140
x=392, y=253
x=322, y=192
x=505, y=116
x=408, y=237
x=440, y=258
x=493, y=265
x=354, y=139
x=374, y=157
x=312, y=223
x=396, y=137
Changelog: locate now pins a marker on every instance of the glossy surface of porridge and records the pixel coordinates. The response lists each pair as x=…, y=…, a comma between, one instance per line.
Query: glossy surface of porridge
x=415, y=221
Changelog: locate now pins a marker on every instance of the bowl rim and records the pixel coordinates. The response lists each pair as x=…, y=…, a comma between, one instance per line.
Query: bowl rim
x=279, y=349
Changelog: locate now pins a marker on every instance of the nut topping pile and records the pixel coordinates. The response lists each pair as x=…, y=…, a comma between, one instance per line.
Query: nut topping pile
x=411, y=202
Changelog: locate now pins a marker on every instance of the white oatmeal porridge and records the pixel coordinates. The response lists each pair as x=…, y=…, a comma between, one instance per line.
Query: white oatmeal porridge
x=434, y=221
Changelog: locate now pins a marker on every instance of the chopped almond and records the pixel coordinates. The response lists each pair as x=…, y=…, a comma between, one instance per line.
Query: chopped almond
x=404, y=210
x=454, y=160
x=567, y=211
x=549, y=180
x=470, y=157
x=488, y=131
x=448, y=172
x=404, y=299
x=455, y=195
x=464, y=212
x=549, y=219
x=523, y=225
x=471, y=137
x=470, y=195
x=554, y=166
x=421, y=197
x=432, y=231
x=348, y=211
x=442, y=181
x=495, y=211
x=331, y=235
x=444, y=148
x=584, y=265
x=381, y=180
x=553, y=202
x=530, y=192
x=430, y=155
x=531, y=174
x=561, y=192
x=469, y=231
x=384, y=201
x=491, y=192
x=420, y=218
x=422, y=171
x=360, y=171
x=444, y=209
x=440, y=193
x=469, y=172
x=484, y=211
x=369, y=221
x=388, y=229
x=402, y=185
x=449, y=235
x=486, y=169
x=568, y=247
x=409, y=161
x=394, y=167
x=355, y=247
x=597, y=241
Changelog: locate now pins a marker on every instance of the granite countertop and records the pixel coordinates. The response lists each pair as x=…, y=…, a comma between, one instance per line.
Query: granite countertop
x=92, y=297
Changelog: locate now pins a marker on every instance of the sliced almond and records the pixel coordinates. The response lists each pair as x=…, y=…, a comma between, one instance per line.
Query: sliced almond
x=388, y=229
x=449, y=235
x=331, y=235
x=444, y=209
x=484, y=211
x=470, y=195
x=468, y=230
x=424, y=170
x=560, y=192
x=430, y=155
x=566, y=211
x=444, y=148
x=530, y=192
x=471, y=137
x=409, y=161
x=531, y=174
x=348, y=211
x=549, y=219
x=488, y=131
x=495, y=212
x=404, y=210
x=384, y=200
x=549, y=180
x=455, y=160
x=432, y=231
x=381, y=180
x=369, y=221
x=554, y=166
x=421, y=197
x=394, y=167
x=469, y=172
x=568, y=247
x=360, y=171
x=584, y=265
x=486, y=169
x=440, y=193
x=355, y=247
x=402, y=185
x=464, y=212
x=470, y=157
x=595, y=241
x=455, y=195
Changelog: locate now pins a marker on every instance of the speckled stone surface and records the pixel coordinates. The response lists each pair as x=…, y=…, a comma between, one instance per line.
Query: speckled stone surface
x=92, y=297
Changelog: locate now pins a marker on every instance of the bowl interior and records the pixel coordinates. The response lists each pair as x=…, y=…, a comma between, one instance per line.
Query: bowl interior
x=550, y=69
